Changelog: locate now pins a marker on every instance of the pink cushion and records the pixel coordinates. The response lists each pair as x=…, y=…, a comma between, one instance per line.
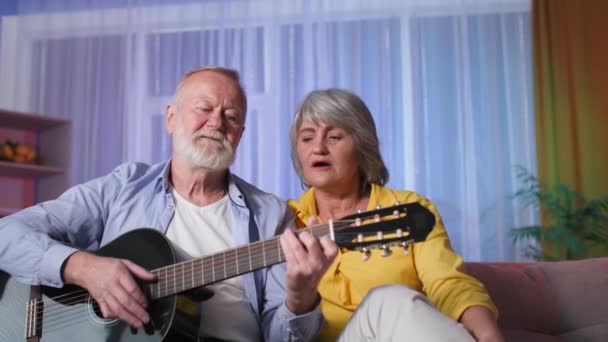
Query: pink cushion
x=581, y=292
x=528, y=336
x=521, y=295
x=568, y=299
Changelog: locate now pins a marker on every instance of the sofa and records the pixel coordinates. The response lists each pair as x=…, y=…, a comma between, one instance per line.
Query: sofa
x=548, y=301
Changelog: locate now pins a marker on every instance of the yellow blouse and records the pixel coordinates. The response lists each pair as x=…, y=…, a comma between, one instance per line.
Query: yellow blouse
x=431, y=267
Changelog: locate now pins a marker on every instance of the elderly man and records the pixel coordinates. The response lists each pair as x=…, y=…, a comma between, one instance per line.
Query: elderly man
x=199, y=205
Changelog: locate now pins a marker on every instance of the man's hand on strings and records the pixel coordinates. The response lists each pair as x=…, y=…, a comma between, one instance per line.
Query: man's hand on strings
x=112, y=283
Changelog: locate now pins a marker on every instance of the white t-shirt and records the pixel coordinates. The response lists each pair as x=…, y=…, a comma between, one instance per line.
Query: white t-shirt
x=201, y=231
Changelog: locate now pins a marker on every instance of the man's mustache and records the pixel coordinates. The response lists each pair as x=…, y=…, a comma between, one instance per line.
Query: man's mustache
x=215, y=135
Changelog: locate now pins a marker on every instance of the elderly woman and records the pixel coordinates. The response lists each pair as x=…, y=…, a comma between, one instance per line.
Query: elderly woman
x=335, y=151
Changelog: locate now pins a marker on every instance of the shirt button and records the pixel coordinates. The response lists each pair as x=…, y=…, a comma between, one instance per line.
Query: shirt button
x=170, y=206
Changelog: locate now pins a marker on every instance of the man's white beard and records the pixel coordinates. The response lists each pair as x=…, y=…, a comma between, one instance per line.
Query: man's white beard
x=214, y=152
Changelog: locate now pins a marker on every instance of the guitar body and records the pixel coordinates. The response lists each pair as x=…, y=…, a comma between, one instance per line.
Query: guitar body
x=65, y=321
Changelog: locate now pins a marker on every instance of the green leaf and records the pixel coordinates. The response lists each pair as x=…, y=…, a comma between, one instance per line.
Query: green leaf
x=571, y=222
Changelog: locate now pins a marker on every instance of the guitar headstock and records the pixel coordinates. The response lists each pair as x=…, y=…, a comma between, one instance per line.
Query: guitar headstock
x=382, y=228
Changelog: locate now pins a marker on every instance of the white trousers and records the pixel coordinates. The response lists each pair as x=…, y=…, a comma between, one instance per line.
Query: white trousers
x=399, y=313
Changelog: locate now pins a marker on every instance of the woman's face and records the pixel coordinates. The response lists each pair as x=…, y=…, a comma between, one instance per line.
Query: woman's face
x=328, y=156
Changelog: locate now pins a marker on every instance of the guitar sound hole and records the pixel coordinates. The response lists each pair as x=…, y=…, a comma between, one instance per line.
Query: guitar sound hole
x=97, y=316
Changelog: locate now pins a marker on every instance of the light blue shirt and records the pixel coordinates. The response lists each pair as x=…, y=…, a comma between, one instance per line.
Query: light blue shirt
x=36, y=241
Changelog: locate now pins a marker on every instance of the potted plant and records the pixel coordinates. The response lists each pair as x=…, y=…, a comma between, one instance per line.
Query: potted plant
x=573, y=227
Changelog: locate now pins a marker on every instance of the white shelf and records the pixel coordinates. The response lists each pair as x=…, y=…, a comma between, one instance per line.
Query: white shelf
x=28, y=121
x=8, y=211
x=12, y=169
x=53, y=141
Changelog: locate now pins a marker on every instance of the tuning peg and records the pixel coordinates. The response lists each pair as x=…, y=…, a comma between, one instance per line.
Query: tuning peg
x=366, y=253
x=406, y=249
x=396, y=212
x=386, y=251
x=377, y=217
x=359, y=237
x=358, y=219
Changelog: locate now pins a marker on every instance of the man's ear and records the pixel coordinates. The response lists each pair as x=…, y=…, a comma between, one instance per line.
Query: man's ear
x=170, y=118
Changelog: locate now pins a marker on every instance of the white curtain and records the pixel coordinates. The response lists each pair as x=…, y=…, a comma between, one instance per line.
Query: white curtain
x=449, y=84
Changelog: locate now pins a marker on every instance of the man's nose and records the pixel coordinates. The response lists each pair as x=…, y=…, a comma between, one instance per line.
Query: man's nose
x=216, y=120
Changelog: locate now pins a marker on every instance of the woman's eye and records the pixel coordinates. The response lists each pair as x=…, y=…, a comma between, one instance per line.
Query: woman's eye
x=306, y=139
x=335, y=137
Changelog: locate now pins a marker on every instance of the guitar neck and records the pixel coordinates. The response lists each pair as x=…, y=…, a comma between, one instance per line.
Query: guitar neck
x=414, y=226
x=209, y=269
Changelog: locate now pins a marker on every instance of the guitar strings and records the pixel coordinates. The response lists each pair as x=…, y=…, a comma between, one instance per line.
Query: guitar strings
x=69, y=318
x=66, y=319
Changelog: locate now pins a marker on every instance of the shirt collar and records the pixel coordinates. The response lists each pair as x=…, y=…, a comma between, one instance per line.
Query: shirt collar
x=234, y=192
x=236, y=196
x=307, y=205
x=162, y=180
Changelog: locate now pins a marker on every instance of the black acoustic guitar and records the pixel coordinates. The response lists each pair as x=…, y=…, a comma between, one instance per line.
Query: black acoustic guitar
x=39, y=313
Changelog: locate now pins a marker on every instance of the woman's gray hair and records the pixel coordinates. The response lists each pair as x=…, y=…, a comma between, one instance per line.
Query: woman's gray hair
x=343, y=109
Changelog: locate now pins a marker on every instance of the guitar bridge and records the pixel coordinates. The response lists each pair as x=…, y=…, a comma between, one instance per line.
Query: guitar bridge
x=33, y=315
